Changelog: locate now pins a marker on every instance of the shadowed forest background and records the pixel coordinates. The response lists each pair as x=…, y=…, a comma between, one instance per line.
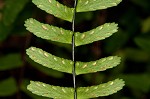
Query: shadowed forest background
x=131, y=42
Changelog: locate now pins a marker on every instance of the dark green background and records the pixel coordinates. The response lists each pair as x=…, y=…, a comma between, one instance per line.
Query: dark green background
x=131, y=42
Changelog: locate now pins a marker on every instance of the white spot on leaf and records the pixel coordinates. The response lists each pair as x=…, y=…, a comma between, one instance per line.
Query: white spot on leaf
x=46, y=94
x=71, y=62
x=63, y=90
x=38, y=84
x=33, y=49
x=31, y=21
x=110, y=58
x=114, y=30
x=58, y=5
x=108, y=34
x=102, y=7
x=61, y=31
x=103, y=68
x=114, y=4
x=71, y=90
x=92, y=32
x=86, y=2
x=112, y=83
x=103, y=86
x=101, y=28
x=50, y=11
x=87, y=90
x=46, y=54
x=40, y=51
x=82, y=36
x=104, y=59
x=55, y=58
x=108, y=25
x=77, y=63
x=40, y=5
x=43, y=85
x=63, y=61
x=84, y=66
x=49, y=1
x=45, y=36
x=94, y=63
x=96, y=87
x=53, y=29
x=54, y=87
x=44, y=27
x=76, y=34
x=65, y=9
x=72, y=10
x=37, y=61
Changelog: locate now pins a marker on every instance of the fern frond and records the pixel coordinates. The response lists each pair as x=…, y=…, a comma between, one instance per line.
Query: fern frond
x=50, y=91
x=95, y=66
x=105, y=89
x=64, y=65
x=92, y=5
x=48, y=32
x=55, y=8
x=58, y=92
x=49, y=60
x=93, y=35
x=54, y=33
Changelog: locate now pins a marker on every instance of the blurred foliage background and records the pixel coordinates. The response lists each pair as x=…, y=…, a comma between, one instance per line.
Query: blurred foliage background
x=131, y=42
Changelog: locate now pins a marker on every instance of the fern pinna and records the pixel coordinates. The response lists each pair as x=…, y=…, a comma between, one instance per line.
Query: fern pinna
x=61, y=35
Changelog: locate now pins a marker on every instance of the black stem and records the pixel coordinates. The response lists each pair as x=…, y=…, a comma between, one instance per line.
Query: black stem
x=73, y=50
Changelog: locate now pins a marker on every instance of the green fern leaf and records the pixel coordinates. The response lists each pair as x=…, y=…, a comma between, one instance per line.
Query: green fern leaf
x=57, y=92
x=55, y=8
x=64, y=65
x=99, y=33
x=53, y=33
x=50, y=61
x=92, y=5
x=100, y=90
x=48, y=32
x=95, y=66
x=50, y=91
